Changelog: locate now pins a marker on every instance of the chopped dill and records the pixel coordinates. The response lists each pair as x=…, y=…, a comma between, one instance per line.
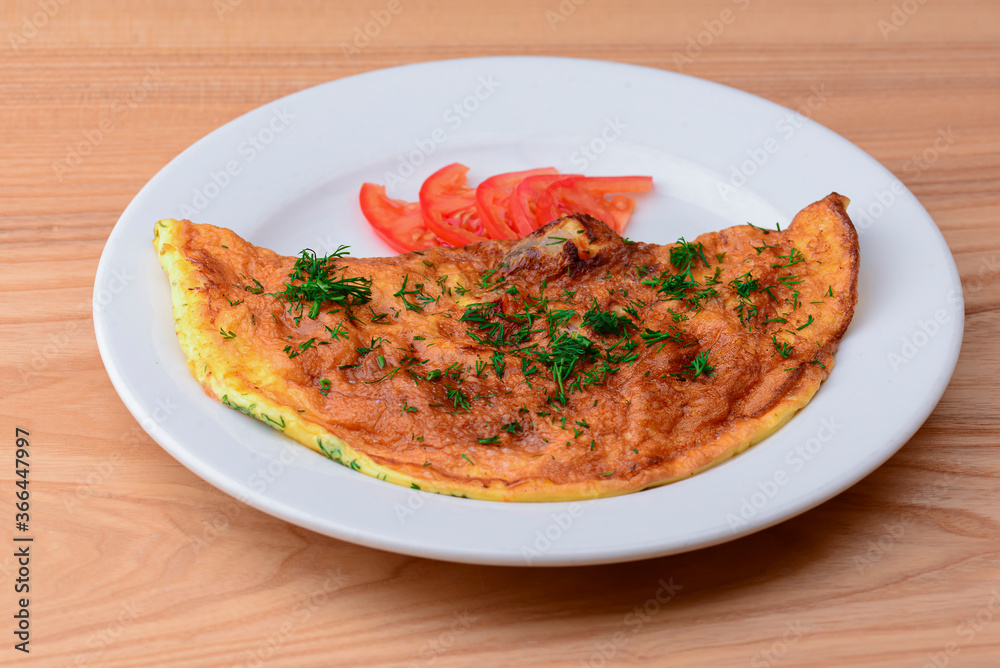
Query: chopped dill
x=316, y=285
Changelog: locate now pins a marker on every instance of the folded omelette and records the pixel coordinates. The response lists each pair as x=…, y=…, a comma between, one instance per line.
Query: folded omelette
x=570, y=364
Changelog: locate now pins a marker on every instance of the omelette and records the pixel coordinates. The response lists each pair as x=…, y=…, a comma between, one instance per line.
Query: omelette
x=570, y=364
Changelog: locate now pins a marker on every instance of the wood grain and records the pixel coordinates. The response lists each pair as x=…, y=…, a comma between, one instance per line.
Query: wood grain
x=139, y=563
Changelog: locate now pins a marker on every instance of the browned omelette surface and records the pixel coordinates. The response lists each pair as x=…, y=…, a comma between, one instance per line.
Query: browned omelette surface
x=571, y=364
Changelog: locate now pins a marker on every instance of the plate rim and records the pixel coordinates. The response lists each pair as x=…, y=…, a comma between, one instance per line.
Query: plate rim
x=471, y=554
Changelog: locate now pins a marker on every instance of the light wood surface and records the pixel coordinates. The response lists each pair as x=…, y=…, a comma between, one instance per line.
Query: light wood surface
x=127, y=569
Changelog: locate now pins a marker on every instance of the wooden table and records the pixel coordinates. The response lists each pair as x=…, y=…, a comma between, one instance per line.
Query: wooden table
x=137, y=562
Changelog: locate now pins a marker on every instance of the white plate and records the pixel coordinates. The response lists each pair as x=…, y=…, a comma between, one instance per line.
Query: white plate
x=286, y=176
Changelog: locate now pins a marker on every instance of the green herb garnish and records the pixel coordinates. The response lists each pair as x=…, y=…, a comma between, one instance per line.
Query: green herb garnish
x=606, y=322
x=317, y=286
x=784, y=349
x=699, y=365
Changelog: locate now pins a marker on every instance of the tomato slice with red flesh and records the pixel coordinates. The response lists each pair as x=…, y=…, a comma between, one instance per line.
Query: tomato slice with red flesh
x=449, y=206
x=605, y=185
x=587, y=194
x=524, y=201
x=399, y=223
x=505, y=206
x=493, y=196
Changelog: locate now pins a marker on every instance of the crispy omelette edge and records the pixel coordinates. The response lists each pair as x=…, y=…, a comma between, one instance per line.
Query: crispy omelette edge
x=195, y=332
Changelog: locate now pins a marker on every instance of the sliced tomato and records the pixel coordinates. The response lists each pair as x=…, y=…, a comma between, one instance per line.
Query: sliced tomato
x=566, y=197
x=449, y=206
x=493, y=199
x=524, y=201
x=605, y=185
x=399, y=223
x=620, y=209
x=580, y=194
x=505, y=206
